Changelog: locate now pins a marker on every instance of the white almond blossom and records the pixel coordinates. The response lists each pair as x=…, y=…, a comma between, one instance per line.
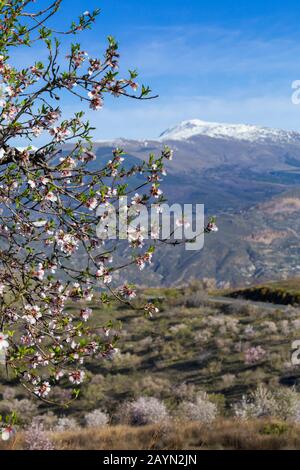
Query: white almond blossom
x=4, y=344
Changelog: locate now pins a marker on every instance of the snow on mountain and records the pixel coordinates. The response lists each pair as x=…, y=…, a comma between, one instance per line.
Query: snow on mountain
x=196, y=127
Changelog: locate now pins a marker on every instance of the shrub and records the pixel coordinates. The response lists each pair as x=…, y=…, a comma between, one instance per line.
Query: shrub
x=274, y=429
x=47, y=420
x=260, y=403
x=96, y=418
x=144, y=410
x=8, y=393
x=93, y=393
x=254, y=354
x=196, y=299
x=25, y=409
x=249, y=331
x=284, y=403
x=66, y=423
x=269, y=326
x=202, y=284
x=287, y=403
x=228, y=380
x=185, y=391
x=202, y=409
x=153, y=386
x=36, y=438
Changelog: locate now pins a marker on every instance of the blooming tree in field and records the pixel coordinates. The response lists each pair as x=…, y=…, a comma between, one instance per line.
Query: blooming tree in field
x=49, y=196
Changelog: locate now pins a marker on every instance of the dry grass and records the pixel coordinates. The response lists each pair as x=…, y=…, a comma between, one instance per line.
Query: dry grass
x=222, y=434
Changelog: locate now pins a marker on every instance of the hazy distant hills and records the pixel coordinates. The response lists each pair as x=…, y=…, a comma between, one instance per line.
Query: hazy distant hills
x=249, y=177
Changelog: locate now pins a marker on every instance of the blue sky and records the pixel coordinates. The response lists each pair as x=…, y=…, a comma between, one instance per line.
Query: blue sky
x=228, y=61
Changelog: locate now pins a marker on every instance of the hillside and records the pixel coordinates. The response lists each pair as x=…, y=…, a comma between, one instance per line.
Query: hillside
x=252, y=246
x=252, y=163
x=245, y=175
x=198, y=342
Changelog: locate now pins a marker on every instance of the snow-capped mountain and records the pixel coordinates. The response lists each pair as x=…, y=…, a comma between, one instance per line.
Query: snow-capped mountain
x=196, y=127
x=248, y=176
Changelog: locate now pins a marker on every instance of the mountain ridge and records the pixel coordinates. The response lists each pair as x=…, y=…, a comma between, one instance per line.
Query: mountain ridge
x=195, y=127
x=252, y=186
